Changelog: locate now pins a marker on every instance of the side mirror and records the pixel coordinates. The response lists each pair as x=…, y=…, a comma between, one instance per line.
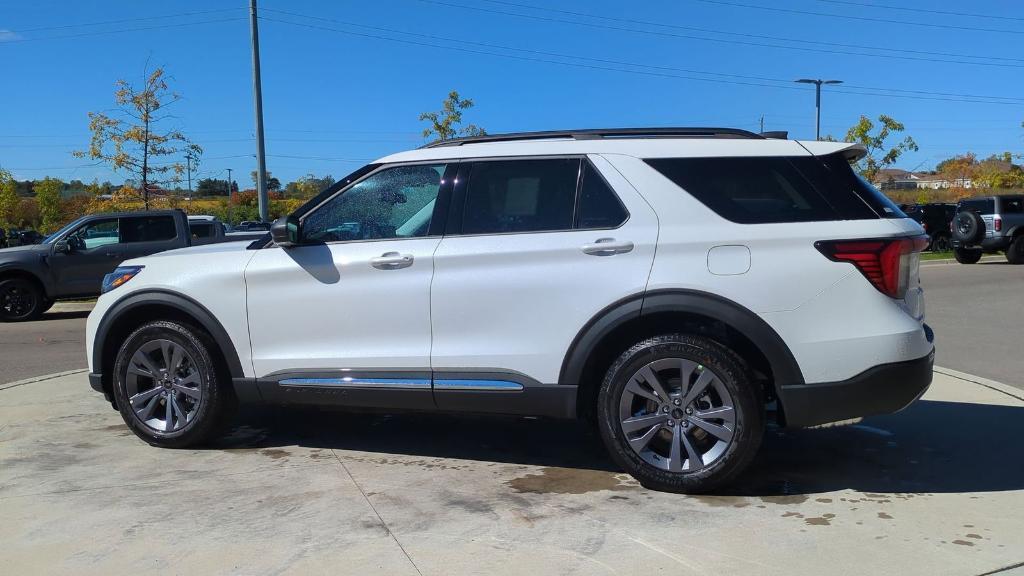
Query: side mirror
x=285, y=231
x=62, y=247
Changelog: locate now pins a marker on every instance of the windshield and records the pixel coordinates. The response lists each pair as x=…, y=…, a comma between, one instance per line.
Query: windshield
x=70, y=226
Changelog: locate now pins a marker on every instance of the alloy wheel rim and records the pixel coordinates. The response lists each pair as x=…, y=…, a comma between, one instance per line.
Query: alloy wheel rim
x=163, y=385
x=15, y=301
x=677, y=415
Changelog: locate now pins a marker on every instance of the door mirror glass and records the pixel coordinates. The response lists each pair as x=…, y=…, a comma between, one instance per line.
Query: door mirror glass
x=285, y=231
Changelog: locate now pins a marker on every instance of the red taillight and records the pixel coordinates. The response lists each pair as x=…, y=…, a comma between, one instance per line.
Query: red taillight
x=886, y=263
x=997, y=224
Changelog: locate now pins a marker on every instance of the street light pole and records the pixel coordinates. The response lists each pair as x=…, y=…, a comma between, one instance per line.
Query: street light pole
x=261, y=165
x=188, y=163
x=817, y=100
x=229, y=195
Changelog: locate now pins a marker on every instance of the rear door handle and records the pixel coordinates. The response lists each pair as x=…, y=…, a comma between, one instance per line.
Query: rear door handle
x=391, y=261
x=607, y=247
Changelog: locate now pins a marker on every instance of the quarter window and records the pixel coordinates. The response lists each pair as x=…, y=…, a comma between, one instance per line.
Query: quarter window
x=521, y=196
x=599, y=207
x=393, y=203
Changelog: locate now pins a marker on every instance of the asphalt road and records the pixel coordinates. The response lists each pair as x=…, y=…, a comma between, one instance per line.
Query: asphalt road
x=977, y=312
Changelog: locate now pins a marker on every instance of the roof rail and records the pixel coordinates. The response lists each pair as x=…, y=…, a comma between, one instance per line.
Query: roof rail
x=600, y=133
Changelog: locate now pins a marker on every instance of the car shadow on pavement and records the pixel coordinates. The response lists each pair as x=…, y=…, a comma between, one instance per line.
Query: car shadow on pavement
x=62, y=315
x=932, y=447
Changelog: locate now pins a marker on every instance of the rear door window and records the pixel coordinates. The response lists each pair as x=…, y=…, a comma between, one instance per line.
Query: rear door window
x=521, y=196
x=148, y=229
x=1011, y=205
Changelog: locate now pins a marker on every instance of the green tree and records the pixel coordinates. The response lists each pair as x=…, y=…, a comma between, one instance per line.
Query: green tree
x=48, y=196
x=214, y=187
x=135, y=141
x=308, y=186
x=273, y=184
x=445, y=123
x=9, y=200
x=879, y=153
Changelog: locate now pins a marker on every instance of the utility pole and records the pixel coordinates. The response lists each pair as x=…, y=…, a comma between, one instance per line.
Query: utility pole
x=762, y=123
x=817, y=100
x=261, y=165
x=188, y=164
x=229, y=195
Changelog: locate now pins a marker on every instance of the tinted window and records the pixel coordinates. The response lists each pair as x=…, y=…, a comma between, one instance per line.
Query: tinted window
x=845, y=184
x=520, y=196
x=94, y=234
x=393, y=203
x=1011, y=205
x=981, y=205
x=201, y=230
x=148, y=229
x=599, y=207
x=748, y=190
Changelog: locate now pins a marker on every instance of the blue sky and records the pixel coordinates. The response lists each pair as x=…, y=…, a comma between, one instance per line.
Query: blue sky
x=336, y=93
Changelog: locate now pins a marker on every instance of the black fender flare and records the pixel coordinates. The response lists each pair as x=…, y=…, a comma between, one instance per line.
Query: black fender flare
x=21, y=270
x=170, y=299
x=785, y=369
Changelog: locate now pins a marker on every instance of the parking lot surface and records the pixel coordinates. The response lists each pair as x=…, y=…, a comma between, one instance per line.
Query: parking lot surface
x=937, y=489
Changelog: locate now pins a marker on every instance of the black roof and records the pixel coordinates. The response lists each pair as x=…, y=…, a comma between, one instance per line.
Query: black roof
x=601, y=133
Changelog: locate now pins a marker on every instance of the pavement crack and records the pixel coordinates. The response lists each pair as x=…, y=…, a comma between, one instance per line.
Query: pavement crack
x=374, y=508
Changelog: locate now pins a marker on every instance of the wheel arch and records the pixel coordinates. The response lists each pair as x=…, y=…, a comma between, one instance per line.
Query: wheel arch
x=627, y=321
x=19, y=272
x=137, y=308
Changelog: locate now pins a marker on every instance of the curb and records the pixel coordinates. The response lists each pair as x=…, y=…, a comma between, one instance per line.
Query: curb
x=993, y=258
x=35, y=379
x=997, y=386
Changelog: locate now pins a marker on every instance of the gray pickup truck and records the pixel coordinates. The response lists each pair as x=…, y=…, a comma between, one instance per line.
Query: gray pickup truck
x=72, y=262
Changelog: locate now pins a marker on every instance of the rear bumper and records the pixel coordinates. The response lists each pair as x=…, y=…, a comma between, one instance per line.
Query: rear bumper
x=992, y=243
x=879, y=390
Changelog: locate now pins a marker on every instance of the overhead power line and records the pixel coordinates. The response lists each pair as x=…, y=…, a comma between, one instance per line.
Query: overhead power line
x=628, y=67
x=118, y=31
x=921, y=10
x=743, y=34
x=881, y=52
x=125, y=20
x=863, y=18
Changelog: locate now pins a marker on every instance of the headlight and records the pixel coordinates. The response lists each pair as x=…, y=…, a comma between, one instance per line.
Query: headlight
x=119, y=276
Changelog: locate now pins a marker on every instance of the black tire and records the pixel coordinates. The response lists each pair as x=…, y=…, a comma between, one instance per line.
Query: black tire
x=941, y=243
x=210, y=413
x=968, y=227
x=965, y=256
x=728, y=377
x=20, y=300
x=1015, y=252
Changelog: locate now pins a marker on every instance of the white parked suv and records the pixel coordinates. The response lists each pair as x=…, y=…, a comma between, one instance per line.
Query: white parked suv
x=676, y=286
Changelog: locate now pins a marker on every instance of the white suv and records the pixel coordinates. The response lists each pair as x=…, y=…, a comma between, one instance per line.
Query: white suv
x=676, y=286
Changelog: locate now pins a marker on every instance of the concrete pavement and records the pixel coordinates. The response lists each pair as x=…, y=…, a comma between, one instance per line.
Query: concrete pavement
x=53, y=343
x=935, y=490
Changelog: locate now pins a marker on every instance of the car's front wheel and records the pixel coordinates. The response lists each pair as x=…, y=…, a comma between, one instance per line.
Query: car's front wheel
x=680, y=413
x=20, y=300
x=167, y=386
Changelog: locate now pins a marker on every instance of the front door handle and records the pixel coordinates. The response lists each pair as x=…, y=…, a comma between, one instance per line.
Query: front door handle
x=391, y=261
x=607, y=247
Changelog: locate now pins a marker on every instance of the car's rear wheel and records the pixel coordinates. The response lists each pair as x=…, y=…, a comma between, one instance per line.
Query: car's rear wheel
x=20, y=300
x=1015, y=252
x=680, y=413
x=167, y=387
x=965, y=256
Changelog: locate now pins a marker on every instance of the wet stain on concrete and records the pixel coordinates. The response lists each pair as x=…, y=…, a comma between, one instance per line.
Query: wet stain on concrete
x=975, y=536
x=963, y=543
x=792, y=514
x=884, y=516
x=275, y=453
x=823, y=500
x=568, y=481
x=787, y=500
x=823, y=520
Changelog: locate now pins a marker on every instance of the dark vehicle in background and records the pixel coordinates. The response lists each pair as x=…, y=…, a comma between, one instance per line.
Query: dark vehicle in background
x=252, y=226
x=24, y=237
x=935, y=218
x=989, y=224
x=72, y=262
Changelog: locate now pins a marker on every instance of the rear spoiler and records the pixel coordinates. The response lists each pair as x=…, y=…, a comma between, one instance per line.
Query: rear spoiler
x=852, y=152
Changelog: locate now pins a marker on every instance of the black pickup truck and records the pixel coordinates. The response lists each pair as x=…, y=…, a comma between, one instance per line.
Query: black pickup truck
x=72, y=262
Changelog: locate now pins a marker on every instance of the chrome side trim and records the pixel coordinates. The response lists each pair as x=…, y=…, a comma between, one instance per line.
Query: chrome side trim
x=349, y=382
x=478, y=385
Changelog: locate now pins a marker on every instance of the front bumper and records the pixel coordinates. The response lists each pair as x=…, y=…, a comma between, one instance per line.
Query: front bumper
x=879, y=390
x=96, y=381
